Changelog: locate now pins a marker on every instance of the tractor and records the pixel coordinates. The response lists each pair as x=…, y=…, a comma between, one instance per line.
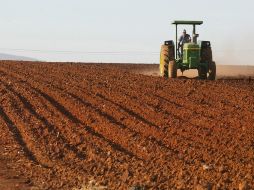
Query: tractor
x=193, y=55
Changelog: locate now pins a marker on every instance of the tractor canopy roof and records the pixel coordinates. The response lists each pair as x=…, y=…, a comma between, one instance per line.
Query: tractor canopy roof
x=184, y=22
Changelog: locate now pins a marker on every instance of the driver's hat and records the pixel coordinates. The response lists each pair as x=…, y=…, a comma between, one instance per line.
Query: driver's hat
x=184, y=31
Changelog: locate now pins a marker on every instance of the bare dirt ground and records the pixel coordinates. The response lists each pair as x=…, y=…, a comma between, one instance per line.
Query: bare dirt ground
x=63, y=125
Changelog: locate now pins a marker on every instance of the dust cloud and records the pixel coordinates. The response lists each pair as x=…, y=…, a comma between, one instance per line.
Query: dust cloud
x=223, y=71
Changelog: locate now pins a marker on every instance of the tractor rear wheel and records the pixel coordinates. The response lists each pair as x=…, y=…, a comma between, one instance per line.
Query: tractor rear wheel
x=167, y=54
x=172, y=69
x=212, y=71
x=206, y=55
x=202, y=73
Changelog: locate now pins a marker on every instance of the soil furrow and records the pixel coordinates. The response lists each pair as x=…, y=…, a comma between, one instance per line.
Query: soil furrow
x=18, y=137
x=77, y=121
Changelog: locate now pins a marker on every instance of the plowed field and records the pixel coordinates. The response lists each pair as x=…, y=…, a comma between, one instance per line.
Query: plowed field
x=64, y=125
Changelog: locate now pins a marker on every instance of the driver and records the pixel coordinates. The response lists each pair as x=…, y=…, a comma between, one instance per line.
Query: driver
x=184, y=38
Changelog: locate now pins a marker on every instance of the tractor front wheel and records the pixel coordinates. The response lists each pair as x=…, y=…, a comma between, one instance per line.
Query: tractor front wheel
x=172, y=69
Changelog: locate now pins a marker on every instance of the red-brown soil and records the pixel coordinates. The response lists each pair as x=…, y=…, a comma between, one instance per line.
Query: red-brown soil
x=64, y=124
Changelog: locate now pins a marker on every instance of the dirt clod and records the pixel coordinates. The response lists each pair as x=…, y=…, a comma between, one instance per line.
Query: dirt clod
x=243, y=186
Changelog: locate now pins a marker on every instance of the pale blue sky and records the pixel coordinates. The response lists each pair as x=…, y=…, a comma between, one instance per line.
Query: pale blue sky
x=67, y=30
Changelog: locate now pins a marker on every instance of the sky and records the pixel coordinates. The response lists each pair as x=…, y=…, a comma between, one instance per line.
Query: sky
x=122, y=30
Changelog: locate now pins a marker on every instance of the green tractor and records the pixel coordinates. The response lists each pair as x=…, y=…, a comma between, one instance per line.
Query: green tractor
x=193, y=55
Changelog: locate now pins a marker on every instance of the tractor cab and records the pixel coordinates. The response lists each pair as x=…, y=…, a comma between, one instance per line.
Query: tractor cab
x=189, y=53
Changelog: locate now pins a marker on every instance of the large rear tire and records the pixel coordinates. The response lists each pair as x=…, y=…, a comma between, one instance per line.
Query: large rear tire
x=164, y=60
x=172, y=69
x=167, y=54
x=212, y=71
x=207, y=57
x=202, y=73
